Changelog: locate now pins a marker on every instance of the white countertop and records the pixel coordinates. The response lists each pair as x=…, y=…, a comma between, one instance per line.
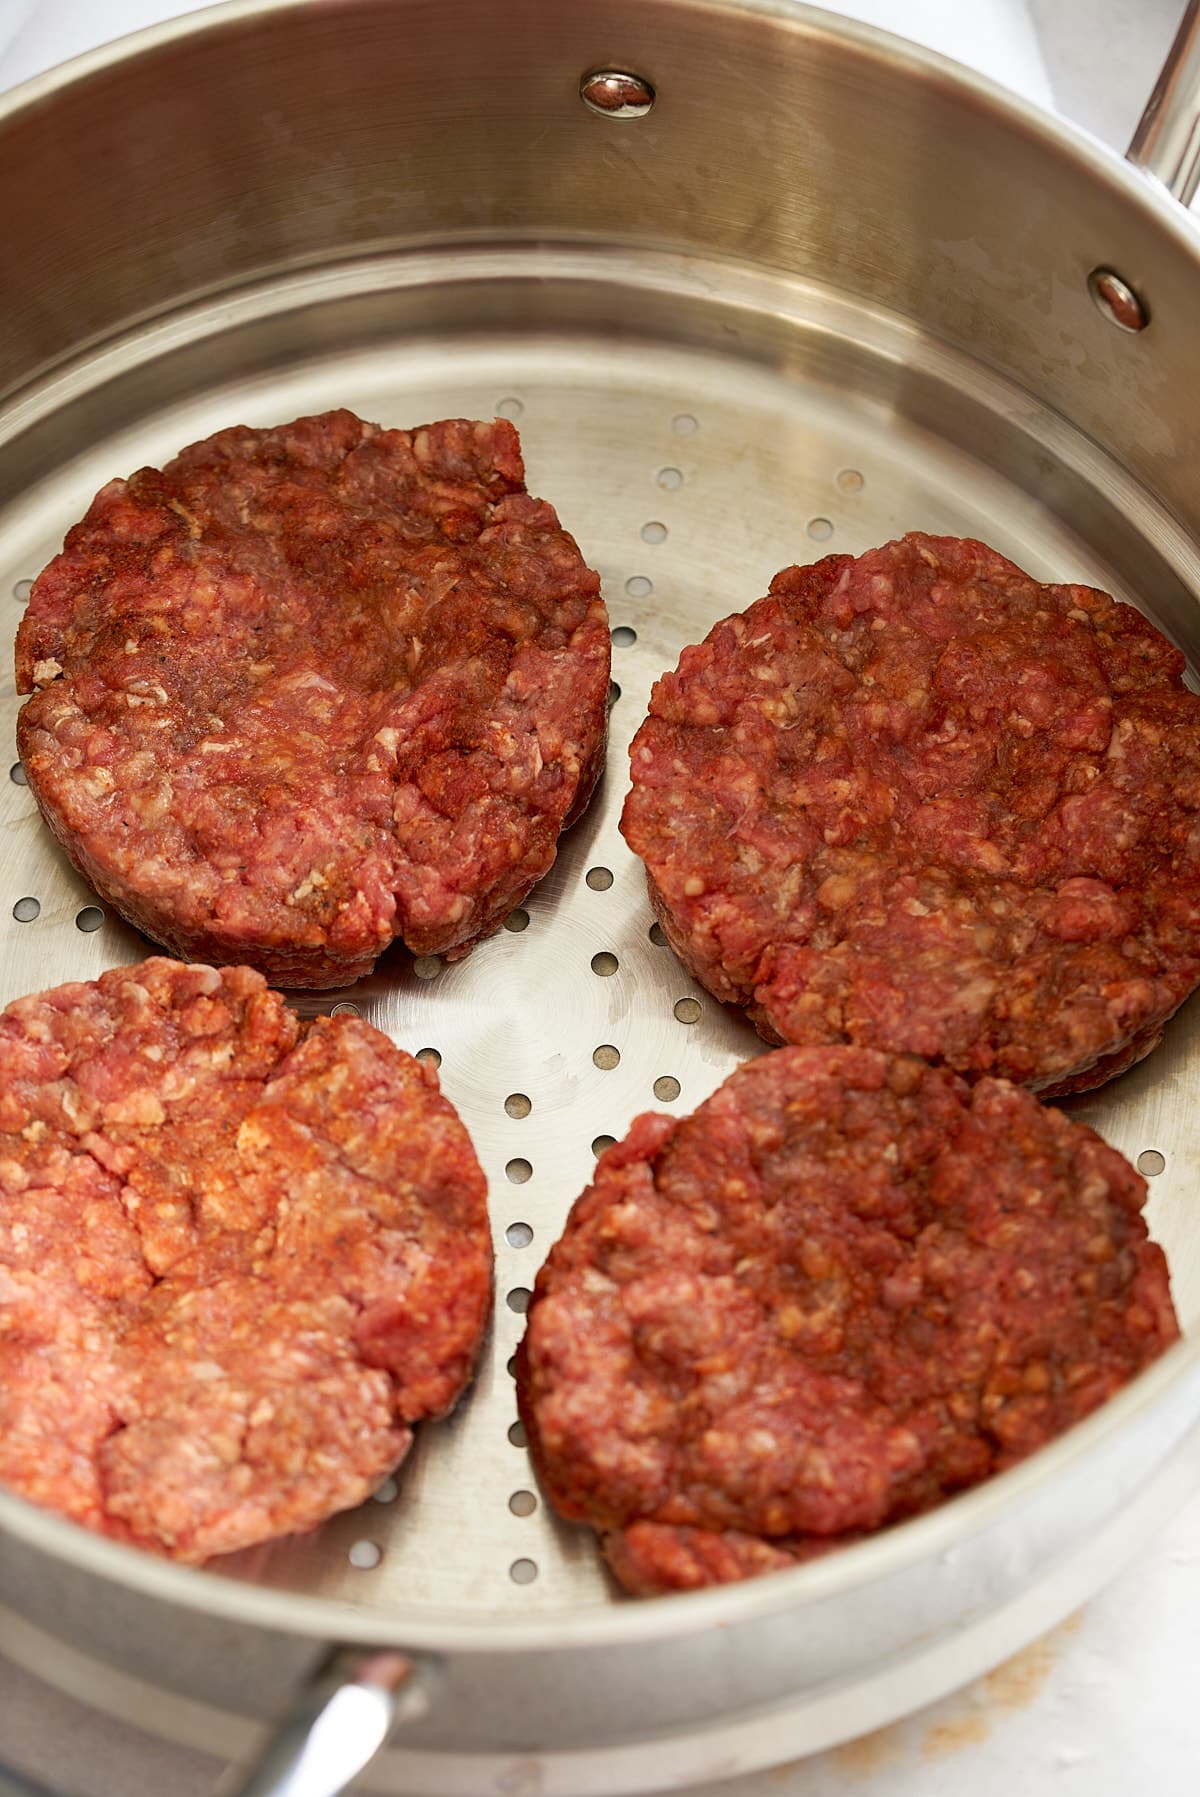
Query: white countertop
x=1107, y=1703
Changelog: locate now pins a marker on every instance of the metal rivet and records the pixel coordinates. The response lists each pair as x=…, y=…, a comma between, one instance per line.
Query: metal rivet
x=1117, y=300
x=616, y=95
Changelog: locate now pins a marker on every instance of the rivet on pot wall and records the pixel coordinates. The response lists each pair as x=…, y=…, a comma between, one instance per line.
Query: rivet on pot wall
x=616, y=95
x=1117, y=300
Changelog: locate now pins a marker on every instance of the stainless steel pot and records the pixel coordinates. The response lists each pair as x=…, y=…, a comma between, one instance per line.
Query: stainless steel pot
x=757, y=283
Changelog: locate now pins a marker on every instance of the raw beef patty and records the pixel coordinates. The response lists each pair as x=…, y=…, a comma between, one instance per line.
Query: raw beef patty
x=847, y=1287
x=307, y=690
x=918, y=802
x=238, y=1260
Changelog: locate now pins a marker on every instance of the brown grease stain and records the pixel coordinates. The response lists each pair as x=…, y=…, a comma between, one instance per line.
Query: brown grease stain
x=1014, y=1685
x=868, y=1753
x=953, y=1736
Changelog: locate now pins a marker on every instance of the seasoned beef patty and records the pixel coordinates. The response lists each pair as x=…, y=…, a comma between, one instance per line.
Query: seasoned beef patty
x=238, y=1260
x=848, y=1286
x=307, y=690
x=918, y=802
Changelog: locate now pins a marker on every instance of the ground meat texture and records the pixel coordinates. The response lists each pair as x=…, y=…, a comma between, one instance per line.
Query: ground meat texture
x=238, y=1259
x=847, y=1287
x=307, y=690
x=917, y=802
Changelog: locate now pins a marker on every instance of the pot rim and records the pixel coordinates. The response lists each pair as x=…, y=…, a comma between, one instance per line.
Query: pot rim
x=443, y=1628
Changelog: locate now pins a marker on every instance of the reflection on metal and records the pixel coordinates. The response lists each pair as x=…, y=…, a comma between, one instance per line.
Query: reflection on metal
x=1167, y=140
x=616, y=94
x=1117, y=300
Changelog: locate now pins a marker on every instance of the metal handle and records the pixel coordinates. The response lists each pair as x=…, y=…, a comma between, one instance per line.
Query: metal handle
x=337, y=1726
x=1167, y=140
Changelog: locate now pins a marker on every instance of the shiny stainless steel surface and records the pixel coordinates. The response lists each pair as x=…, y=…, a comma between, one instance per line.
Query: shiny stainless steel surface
x=336, y=1730
x=1167, y=140
x=769, y=319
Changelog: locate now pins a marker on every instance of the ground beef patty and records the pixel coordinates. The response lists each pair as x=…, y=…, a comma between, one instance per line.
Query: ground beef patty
x=306, y=690
x=848, y=1286
x=918, y=802
x=237, y=1259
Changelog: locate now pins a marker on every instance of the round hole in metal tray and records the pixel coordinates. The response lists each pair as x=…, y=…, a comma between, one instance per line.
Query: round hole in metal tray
x=523, y=1572
x=658, y=936
x=22, y=590
x=517, y=1105
x=517, y=920
x=605, y=964
x=819, y=529
x=624, y=637
x=670, y=478
x=518, y=1235
x=365, y=1555
x=600, y=1143
x=655, y=531
x=386, y=1493
x=89, y=919
x=522, y=1503
x=429, y=1057
x=666, y=1088
x=684, y=424
x=687, y=1010
x=510, y=407
x=614, y=692
x=599, y=878
x=1150, y=1162
x=26, y=909
x=427, y=967
x=517, y=1435
x=639, y=587
x=606, y=1057
x=850, y=480
x=346, y=1008
x=518, y=1299
x=17, y=774
x=518, y=1171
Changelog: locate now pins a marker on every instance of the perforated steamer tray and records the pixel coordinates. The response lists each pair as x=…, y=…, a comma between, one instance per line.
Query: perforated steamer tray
x=688, y=478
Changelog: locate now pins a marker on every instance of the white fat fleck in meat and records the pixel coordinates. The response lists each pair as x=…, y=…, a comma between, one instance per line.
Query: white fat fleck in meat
x=46, y=671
